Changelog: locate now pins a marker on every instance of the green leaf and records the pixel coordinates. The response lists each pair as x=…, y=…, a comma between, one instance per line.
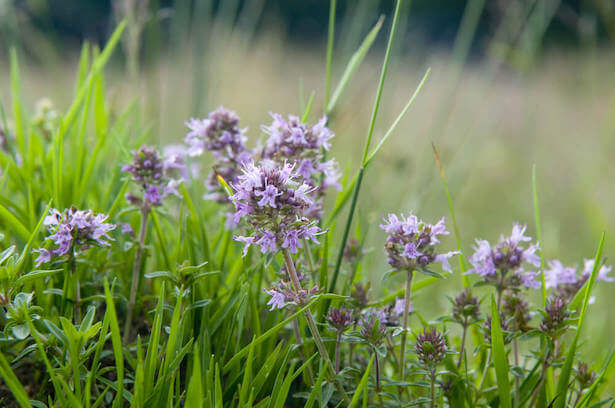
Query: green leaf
x=354, y=63
x=566, y=370
x=396, y=122
x=116, y=342
x=500, y=359
x=13, y=223
x=10, y=379
x=37, y=274
x=194, y=395
x=362, y=385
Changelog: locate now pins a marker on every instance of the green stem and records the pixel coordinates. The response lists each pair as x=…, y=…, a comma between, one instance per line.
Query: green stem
x=310, y=375
x=338, y=344
x=432, y=389
x=404, y=334
x=462, y=349
x=368, y=140
x=136, y=272
x=331, y=36
x=309, y=258
x=322, y=350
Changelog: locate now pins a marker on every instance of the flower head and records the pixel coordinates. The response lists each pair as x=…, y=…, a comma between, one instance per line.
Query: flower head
x=73, y=230
x=273, y=203
x=221, y=135
x=510, y=254
x=555, y=316
x=516, y=308
x=293, y=141
x=566, y=280
x=340, y=318
x=431, y=348
x=411, y=243
x=154, y=175
x=372, y=328
x=466, y=308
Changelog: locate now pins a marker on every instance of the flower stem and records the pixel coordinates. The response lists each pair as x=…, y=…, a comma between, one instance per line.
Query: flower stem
x=136, y=271
x=377, y=371
x=292, y=272
x=338, y=344
x=432, y=389
x=300, y=343
x=462, y=349
x=404, y=334
x=309, y=258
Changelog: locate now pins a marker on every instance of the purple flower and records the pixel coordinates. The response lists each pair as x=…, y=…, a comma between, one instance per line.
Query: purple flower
x=277, y=301
x=509, y=255
x=73, y=230
x=411, y=243
x=291, y=140
x=558, y=274
x=221, y=135
x=154, y=176
x=273, y=203
x=588, y=266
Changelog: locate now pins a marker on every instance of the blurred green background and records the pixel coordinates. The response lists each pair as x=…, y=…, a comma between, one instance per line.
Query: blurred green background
x=514, y=83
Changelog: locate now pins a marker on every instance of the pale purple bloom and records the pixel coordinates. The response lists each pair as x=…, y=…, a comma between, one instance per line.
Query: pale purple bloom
x=247, y=241
x=291, y=140
x=558, y=274
x=277, y=301
x=399, y=307
x=273, y=203
x=510, y=254
x=127, y=229
x=588, y=266
x=73, y=230
x=154, y=175
x=528, y=279
x=152, y=195
x=219, y=134
x=411, y=243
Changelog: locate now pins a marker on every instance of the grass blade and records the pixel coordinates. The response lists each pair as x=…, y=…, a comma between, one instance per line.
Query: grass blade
x=566, y=370
x=354, y=63
x=500, y=359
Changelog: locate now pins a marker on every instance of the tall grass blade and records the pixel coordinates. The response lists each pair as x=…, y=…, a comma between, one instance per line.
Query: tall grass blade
x=566, y=370
x=500, y=359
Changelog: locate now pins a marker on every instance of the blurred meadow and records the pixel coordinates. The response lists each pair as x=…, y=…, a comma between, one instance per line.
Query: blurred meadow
x=506, y=92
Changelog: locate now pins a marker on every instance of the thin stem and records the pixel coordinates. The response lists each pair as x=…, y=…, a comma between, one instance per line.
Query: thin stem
x=299, y=339
x=542, y=380
x=338, y=344
x=404, y=334
x=484, y=375
x=73, y=275
x=330, y=38
x=308, y=257
x=376, y=361
x=432, y=389
x=392, y=351
x=136, y=272
x=516, y=359
x=292, y=272
x=368, y=140
x=462, y=349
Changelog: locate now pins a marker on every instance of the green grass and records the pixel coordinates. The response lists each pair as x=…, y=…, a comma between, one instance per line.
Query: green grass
x=204, y=334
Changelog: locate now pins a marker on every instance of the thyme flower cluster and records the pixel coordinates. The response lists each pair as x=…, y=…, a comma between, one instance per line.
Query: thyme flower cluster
x=74, y=230
x=494, y=262
x=566, y=281
x=154, y=175
x=221, y=135
x=273, y=203
x=411, y=243
x=296, y=142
